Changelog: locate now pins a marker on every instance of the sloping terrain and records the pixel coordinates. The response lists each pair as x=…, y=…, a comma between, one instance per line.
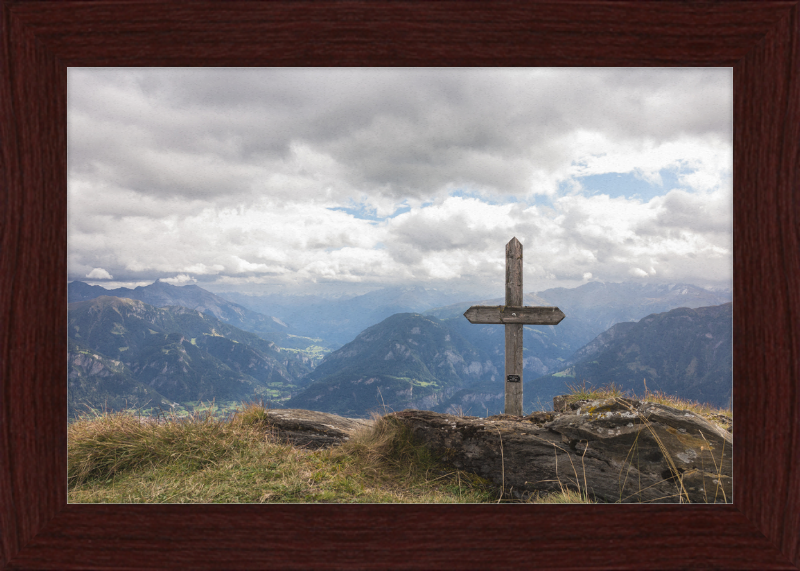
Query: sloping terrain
x=590, y=310
x=414, y=361
x=406, y=361
x=179, y=353
x=339, y=321
x=98, y=382
x=686, y=352
x=162, y=294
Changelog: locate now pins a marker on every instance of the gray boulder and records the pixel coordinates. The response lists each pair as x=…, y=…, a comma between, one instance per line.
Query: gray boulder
x=615, y=450
x=311, y=429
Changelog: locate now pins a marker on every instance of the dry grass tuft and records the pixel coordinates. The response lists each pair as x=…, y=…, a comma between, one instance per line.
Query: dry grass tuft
x=719, y=416
x=565, y=496
x=102, y=446
x=120, y=458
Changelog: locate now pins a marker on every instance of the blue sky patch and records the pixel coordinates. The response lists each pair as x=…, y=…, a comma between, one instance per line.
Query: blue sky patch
x=540, y=200
x=627, y=185
x=363, y=212
x=460, y=193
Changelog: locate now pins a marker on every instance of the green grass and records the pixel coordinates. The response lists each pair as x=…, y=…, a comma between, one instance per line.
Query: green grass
x=117, y=458
x=413, y=381
x=565, y=373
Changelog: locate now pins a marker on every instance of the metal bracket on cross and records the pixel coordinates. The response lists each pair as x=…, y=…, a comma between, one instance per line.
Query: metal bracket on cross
x=514, y=315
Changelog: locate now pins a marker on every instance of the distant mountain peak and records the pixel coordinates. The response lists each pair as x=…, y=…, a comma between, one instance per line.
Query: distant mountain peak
x=158, y=284
x=163, y=294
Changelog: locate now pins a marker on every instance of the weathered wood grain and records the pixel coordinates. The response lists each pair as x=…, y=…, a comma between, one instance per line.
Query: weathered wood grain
x=514, y=272
x=513, y=365
x=504, y=314
x=513, y=384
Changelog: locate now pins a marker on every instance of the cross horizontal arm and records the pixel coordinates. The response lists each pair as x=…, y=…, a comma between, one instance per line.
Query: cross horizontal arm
x=501, y=314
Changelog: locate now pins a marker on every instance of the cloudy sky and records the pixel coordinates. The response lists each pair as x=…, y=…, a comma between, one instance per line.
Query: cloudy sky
x=344, y=180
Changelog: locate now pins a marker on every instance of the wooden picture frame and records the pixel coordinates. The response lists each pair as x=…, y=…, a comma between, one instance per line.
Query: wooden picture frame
x=40, y=39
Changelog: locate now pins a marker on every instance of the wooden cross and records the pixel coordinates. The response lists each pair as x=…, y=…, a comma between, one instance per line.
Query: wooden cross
x=514, y=315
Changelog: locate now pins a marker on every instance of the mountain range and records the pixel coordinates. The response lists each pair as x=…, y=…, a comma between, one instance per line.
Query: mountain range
x=162, y=294
x=594, y=307
x=339, y=321
x=590, y=310
x=406, y=361
x=686, y=352
x=426, y=358
x=418, y=361
x=121, y=348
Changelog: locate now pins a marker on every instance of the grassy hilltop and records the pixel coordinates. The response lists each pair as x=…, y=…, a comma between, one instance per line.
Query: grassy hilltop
x=118, y=458
x=121, y=458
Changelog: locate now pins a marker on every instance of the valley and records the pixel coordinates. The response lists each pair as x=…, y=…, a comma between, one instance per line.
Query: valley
x=124, y=353
x=201, y=347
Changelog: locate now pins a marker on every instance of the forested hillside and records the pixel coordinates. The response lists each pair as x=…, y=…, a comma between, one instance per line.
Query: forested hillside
x=686, y=352
x=406, y=361
x=415, y=361
x=123, y=348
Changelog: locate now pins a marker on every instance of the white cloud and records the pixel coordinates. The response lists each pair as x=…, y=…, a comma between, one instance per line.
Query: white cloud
x=232, y=176
x=180, y=280
x=710, y=158
x=99, y=274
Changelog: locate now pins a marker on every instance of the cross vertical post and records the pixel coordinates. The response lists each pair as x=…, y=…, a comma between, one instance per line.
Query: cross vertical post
x=513, y=330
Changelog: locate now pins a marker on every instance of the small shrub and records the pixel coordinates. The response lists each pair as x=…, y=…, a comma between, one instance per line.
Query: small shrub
x=589, y=393
x=250, y=414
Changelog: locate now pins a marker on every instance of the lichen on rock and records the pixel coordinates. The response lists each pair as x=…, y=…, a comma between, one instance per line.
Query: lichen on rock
x=614, y=450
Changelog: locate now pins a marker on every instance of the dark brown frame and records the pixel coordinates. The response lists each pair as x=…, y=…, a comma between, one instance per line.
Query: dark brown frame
x=39, y=530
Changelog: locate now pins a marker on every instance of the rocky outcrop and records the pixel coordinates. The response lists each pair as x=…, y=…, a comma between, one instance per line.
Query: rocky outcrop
x=615, y=450
x=313, y=429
